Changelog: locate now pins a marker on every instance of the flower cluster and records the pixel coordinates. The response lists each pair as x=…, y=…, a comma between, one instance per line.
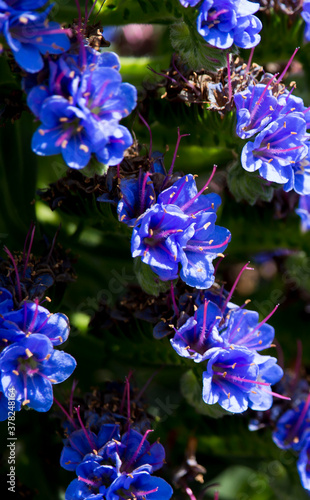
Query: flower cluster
x=229, y=337
x=29, y=34
x=173, y=227
x=112, y=461
x=29, y=364
x=228, y=22
x=80, y=106
x=278, y=122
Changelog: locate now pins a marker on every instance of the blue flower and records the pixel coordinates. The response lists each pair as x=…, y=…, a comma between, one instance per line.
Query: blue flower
x=94, y=480
x=300, y=179
x=29, y=34
x=303, y=211
x=31, y=367
x=303, y=462
x=34, y=319
x=180, y=229
x=229, y=378
x=80, y=111
x=6, y=301
x=137, y=195
x=306, y=17
x=245, y=330
x=139, y=484
x=276, y=148
x=256, y=108
x=222, y=23
x=291, y=427
x=239, y=378
x=83, y=442
x=199, y=334
x=121, y=469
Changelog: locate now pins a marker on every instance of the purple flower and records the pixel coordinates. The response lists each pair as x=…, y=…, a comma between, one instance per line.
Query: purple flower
x=291, y=427
x=303, y=462
x=255, y=109
x=29, y=34
x=180, y=229
x=303, y=211
x=239, y=378
x=245, y=330
x=229, y=378
x=137, y=195
x=80, y=110
x=276, y=148
x=94, y=480
x=199, y=334
x=82, y=442
x=31, y=367
x=139, y=484
x=222, y=23
x=6, y=301
x=34, y=319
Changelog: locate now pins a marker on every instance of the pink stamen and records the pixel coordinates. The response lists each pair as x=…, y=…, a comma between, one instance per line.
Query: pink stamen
x=150, y=132
x=142, y=198
x=276, y=395
x=91, y=10
x=66, y=413
x=19, y=290
x=288, y=65
x=300, y=420
x=262, y=96
x=143, y=493
x=266, y=319
x=162, y=74
x=190, y=202
x=87, y=481
x=229, y=77
x=235, y=284
x=217, y=265
x=189, y=84
x=133, y=458
x=90, y=441
x=176, y=150
x=175, y=307
x=247, y=69
x=31, y=326
x=26, y=240
x=29, y=250
x=190, y=493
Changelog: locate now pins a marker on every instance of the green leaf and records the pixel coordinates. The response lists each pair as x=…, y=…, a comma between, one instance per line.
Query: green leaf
x=148, y=280
x=193, y=49
x=192, y=391
x=248, y=186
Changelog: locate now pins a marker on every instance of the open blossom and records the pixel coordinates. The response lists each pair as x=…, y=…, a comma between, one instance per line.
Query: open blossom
x=31, y=367
x=199, y=334
x=80, y=110
x=121, y=469
x=180, y=230
x=240, y=378
x=277, y=148
x=28, y=33
x=223, y=23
